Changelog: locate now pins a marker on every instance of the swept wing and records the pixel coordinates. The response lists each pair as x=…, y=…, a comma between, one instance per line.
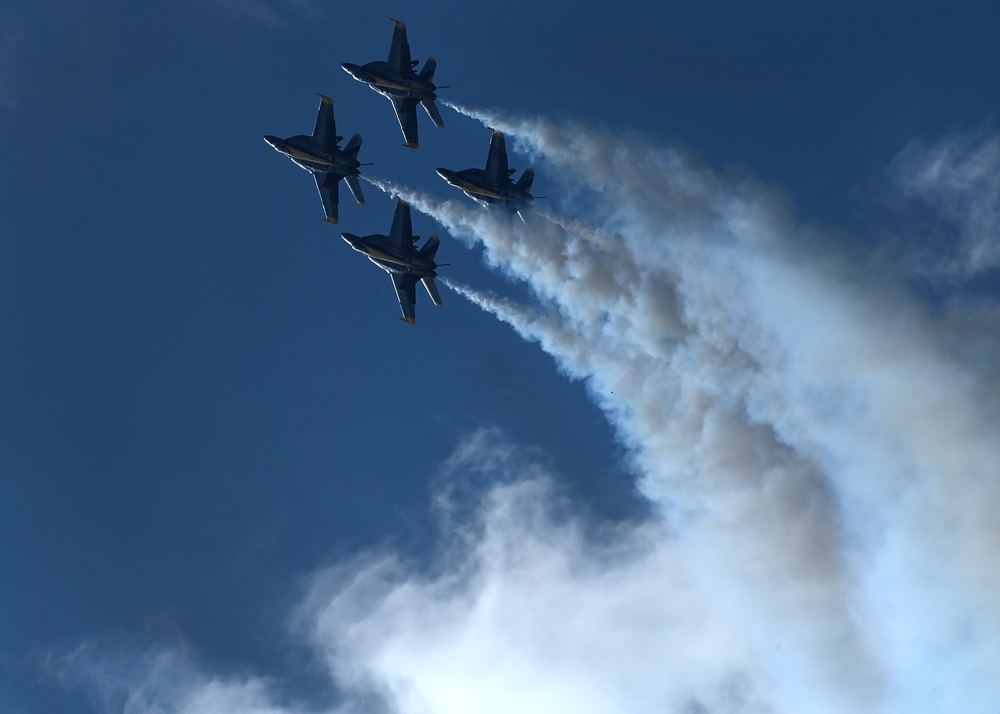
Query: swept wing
x=330, y=195
x=406, y=113
x=406, y=292
x=399, y=51
x=325, y=132
x=496, y=160
x=401, y=233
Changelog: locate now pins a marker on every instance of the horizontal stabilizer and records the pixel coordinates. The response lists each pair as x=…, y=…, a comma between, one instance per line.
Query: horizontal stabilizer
x=353, y=146
x=524, y=183
x=355, y=186
x=432, y=111
x=430, y=248
x=329, y=193
x=428, y=71
x=432, y=290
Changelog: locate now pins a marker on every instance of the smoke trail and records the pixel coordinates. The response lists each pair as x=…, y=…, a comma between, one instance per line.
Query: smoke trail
x=824, y=455
x=832, y=469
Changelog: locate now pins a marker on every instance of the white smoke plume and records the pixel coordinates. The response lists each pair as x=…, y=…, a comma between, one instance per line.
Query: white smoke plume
x=823, y=453
x=830, y=459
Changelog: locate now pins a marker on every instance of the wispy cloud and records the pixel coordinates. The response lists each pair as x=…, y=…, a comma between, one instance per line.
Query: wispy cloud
x=957, y=184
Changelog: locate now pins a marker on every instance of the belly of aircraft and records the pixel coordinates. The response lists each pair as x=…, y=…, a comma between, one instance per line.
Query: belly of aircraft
x=300, y=155
x=382, y=259
x=475, y=188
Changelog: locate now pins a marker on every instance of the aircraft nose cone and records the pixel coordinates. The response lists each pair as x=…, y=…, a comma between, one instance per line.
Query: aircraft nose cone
x=447, y=174
x=274, y=142
x=351, y=239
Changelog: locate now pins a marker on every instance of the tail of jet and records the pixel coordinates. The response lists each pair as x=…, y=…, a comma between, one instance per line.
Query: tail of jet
x=353, y=146
x=428, y=71
x=430, y=248
x=524, y=183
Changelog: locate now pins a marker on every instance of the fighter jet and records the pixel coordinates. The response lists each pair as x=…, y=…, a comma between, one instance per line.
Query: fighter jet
x=405, y=88
x=492, y=186
x=321, y=155
x=397, y=254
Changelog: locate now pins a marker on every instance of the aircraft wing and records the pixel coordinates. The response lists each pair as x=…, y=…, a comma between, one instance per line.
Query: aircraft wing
x=399, y=52
x=406, y=113
x=401, y=233
x=325, y=132
x=406, y=292
x=330, y=194
x=496, y=160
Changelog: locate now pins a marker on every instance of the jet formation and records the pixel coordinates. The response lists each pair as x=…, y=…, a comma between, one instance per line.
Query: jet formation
x=405, y=88
x=321, y=155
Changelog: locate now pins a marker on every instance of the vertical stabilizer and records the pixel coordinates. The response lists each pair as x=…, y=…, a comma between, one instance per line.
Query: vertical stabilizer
x=428, y=71
x=430, y=248
x=353, y=146
x=524, y=183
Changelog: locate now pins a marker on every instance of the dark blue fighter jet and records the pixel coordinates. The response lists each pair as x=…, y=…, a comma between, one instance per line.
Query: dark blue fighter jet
x=405, y=88
x=492, y=186
x=398, y=255
x=321, y=155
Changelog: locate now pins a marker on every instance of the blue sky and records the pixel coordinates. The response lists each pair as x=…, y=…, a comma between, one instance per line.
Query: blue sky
x=736, y=453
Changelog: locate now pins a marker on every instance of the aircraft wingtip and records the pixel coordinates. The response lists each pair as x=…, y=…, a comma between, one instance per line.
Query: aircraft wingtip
x=334, y=221
x=409, y=320
x=325, y=99
x=412, y=145
x=398, y=23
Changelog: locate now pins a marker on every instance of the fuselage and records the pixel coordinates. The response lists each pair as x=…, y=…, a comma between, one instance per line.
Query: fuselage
x=307, y=154
x=477, y=185
x=377, y=249
x=391, y=84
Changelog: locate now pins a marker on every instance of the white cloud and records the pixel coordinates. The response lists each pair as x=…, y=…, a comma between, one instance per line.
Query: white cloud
x=534, y=613
x=528, y=607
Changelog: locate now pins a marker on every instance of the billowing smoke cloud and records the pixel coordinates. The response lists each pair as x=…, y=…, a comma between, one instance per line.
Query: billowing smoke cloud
x=823, y=453
x=530, y=606
x=832, y=462
x=537, y=611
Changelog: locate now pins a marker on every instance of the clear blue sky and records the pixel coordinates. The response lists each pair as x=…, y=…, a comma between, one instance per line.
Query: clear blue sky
x=206, y=396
